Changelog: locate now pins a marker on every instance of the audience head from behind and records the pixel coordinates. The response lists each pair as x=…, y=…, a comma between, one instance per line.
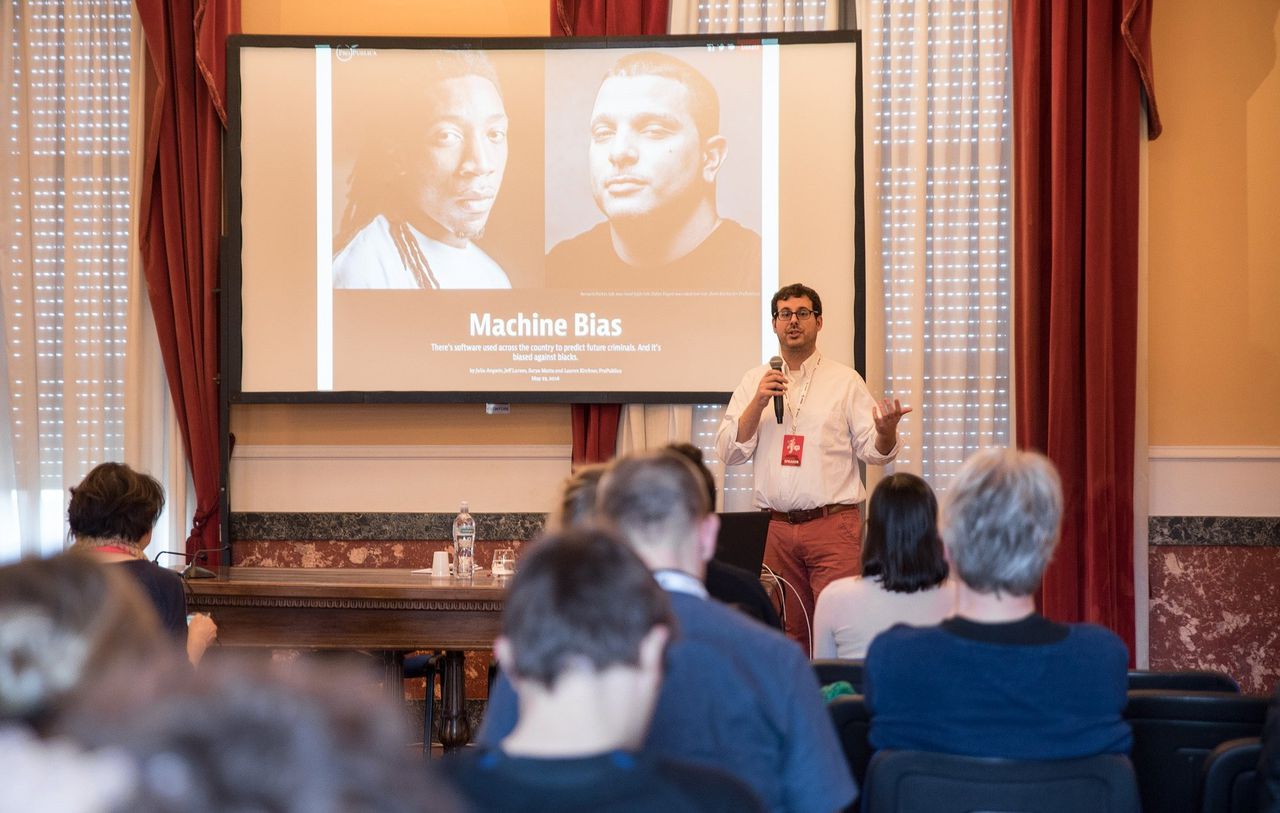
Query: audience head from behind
x=1001, y=521
x=736, y=699
x=66, y=621
x=584, y=626
x=904, y=573
x=583, y=645
x=902, y=549
x=997, y=679
x=658, y=503
x=694, y=455
x=295, y=736
x=111, y=514
x=727, y=583
x=578, y=496
x=114, y=505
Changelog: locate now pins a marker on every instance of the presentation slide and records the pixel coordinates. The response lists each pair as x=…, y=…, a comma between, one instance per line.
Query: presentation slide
x=517, y=222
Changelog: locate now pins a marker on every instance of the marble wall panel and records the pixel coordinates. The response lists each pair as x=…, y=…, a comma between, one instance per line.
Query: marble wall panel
x=1215, y=597
x=404, y=553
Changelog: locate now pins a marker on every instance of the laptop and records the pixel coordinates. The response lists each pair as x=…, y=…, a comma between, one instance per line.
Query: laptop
x=741, y=539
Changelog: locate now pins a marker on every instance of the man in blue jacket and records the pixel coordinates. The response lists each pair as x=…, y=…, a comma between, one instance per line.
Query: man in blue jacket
x=735, y=694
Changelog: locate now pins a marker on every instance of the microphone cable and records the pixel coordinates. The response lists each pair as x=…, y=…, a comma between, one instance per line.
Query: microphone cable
x=807, y=623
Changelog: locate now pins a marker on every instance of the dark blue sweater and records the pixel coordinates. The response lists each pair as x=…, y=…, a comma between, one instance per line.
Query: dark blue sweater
x=1029, y=689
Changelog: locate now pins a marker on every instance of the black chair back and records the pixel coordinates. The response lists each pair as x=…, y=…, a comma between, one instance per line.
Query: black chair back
x=1230, y=777
x=911, y=781
x=831, y=670
x=1191, y=680
x=1173, y=732
x=853, y=726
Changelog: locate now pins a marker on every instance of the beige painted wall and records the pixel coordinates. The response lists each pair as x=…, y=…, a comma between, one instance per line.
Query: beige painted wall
x=429, y=18
x=1214, y=250
x=401, y=424
x=1214, y=242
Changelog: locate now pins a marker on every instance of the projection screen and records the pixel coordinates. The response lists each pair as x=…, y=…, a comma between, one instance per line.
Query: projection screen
x=530, y=220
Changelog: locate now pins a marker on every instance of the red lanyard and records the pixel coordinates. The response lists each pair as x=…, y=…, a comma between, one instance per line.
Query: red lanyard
x=116, y=549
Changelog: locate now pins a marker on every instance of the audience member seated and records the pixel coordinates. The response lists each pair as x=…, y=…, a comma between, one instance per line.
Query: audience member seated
x=904, y=573
x=56, y=775
x=998, y=680
x=578, y=503
x=735, y=695
x=289, y=737
x=725, y=582
x=64, y=622
x=1269, y=759
x=584, y=629
x=111, y=515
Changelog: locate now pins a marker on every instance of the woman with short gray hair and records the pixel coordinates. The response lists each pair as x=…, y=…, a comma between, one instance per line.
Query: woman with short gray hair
x=1001, y=521
x=998, y=679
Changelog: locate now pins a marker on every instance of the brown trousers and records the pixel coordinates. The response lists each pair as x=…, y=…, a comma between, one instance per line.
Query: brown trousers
x=809, y=556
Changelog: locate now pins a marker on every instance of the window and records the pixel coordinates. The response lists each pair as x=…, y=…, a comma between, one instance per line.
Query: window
x=64, y=267
x=939, y=174
x=939, y=154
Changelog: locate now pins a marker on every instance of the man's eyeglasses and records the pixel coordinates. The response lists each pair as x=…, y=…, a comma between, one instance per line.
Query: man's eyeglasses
x=804, y=315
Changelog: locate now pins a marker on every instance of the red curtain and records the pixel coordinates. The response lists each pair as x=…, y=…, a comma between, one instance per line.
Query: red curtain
x=180, y=220
x=595, y=432
x=1079, y=72
x=595, y=426
x=608, y=18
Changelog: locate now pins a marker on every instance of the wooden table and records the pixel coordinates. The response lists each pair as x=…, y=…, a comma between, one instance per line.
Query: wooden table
x=359, y=608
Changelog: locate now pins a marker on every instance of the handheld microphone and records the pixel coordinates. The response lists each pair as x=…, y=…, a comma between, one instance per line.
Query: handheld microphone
x=776, y=363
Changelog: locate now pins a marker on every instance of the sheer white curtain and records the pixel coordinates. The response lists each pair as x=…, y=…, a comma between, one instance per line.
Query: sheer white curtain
x=69, y=322
x=938, y=220
x=751, y=16
x=938, y=152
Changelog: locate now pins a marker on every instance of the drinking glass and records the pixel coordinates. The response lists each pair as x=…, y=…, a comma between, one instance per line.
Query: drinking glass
x=504, y=562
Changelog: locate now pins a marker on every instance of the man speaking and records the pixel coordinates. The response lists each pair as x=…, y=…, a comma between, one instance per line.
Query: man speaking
x=806, y=470
x=655, y=150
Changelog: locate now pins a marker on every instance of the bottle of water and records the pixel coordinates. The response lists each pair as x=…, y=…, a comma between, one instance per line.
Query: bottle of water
x=464, y=543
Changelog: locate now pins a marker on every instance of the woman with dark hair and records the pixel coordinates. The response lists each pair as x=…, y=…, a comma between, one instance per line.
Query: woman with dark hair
x=111, y=515
x=904, y=573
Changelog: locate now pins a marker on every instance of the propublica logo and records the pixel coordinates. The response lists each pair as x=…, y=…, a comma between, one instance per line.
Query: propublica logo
x=346, y=53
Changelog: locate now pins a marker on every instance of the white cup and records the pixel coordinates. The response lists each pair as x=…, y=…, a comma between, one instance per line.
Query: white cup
x=440, y=563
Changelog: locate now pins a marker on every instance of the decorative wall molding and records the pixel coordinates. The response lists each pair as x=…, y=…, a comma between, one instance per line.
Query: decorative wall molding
x=413, y=479
x=452, y=605
x=1252, y=532
x=1214, y=481
x=364, y=526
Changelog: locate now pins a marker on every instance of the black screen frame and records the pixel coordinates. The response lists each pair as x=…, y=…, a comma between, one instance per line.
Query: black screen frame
x=230, y=300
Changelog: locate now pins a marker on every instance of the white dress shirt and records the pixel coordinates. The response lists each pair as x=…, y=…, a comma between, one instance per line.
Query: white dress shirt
x=829, y=404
